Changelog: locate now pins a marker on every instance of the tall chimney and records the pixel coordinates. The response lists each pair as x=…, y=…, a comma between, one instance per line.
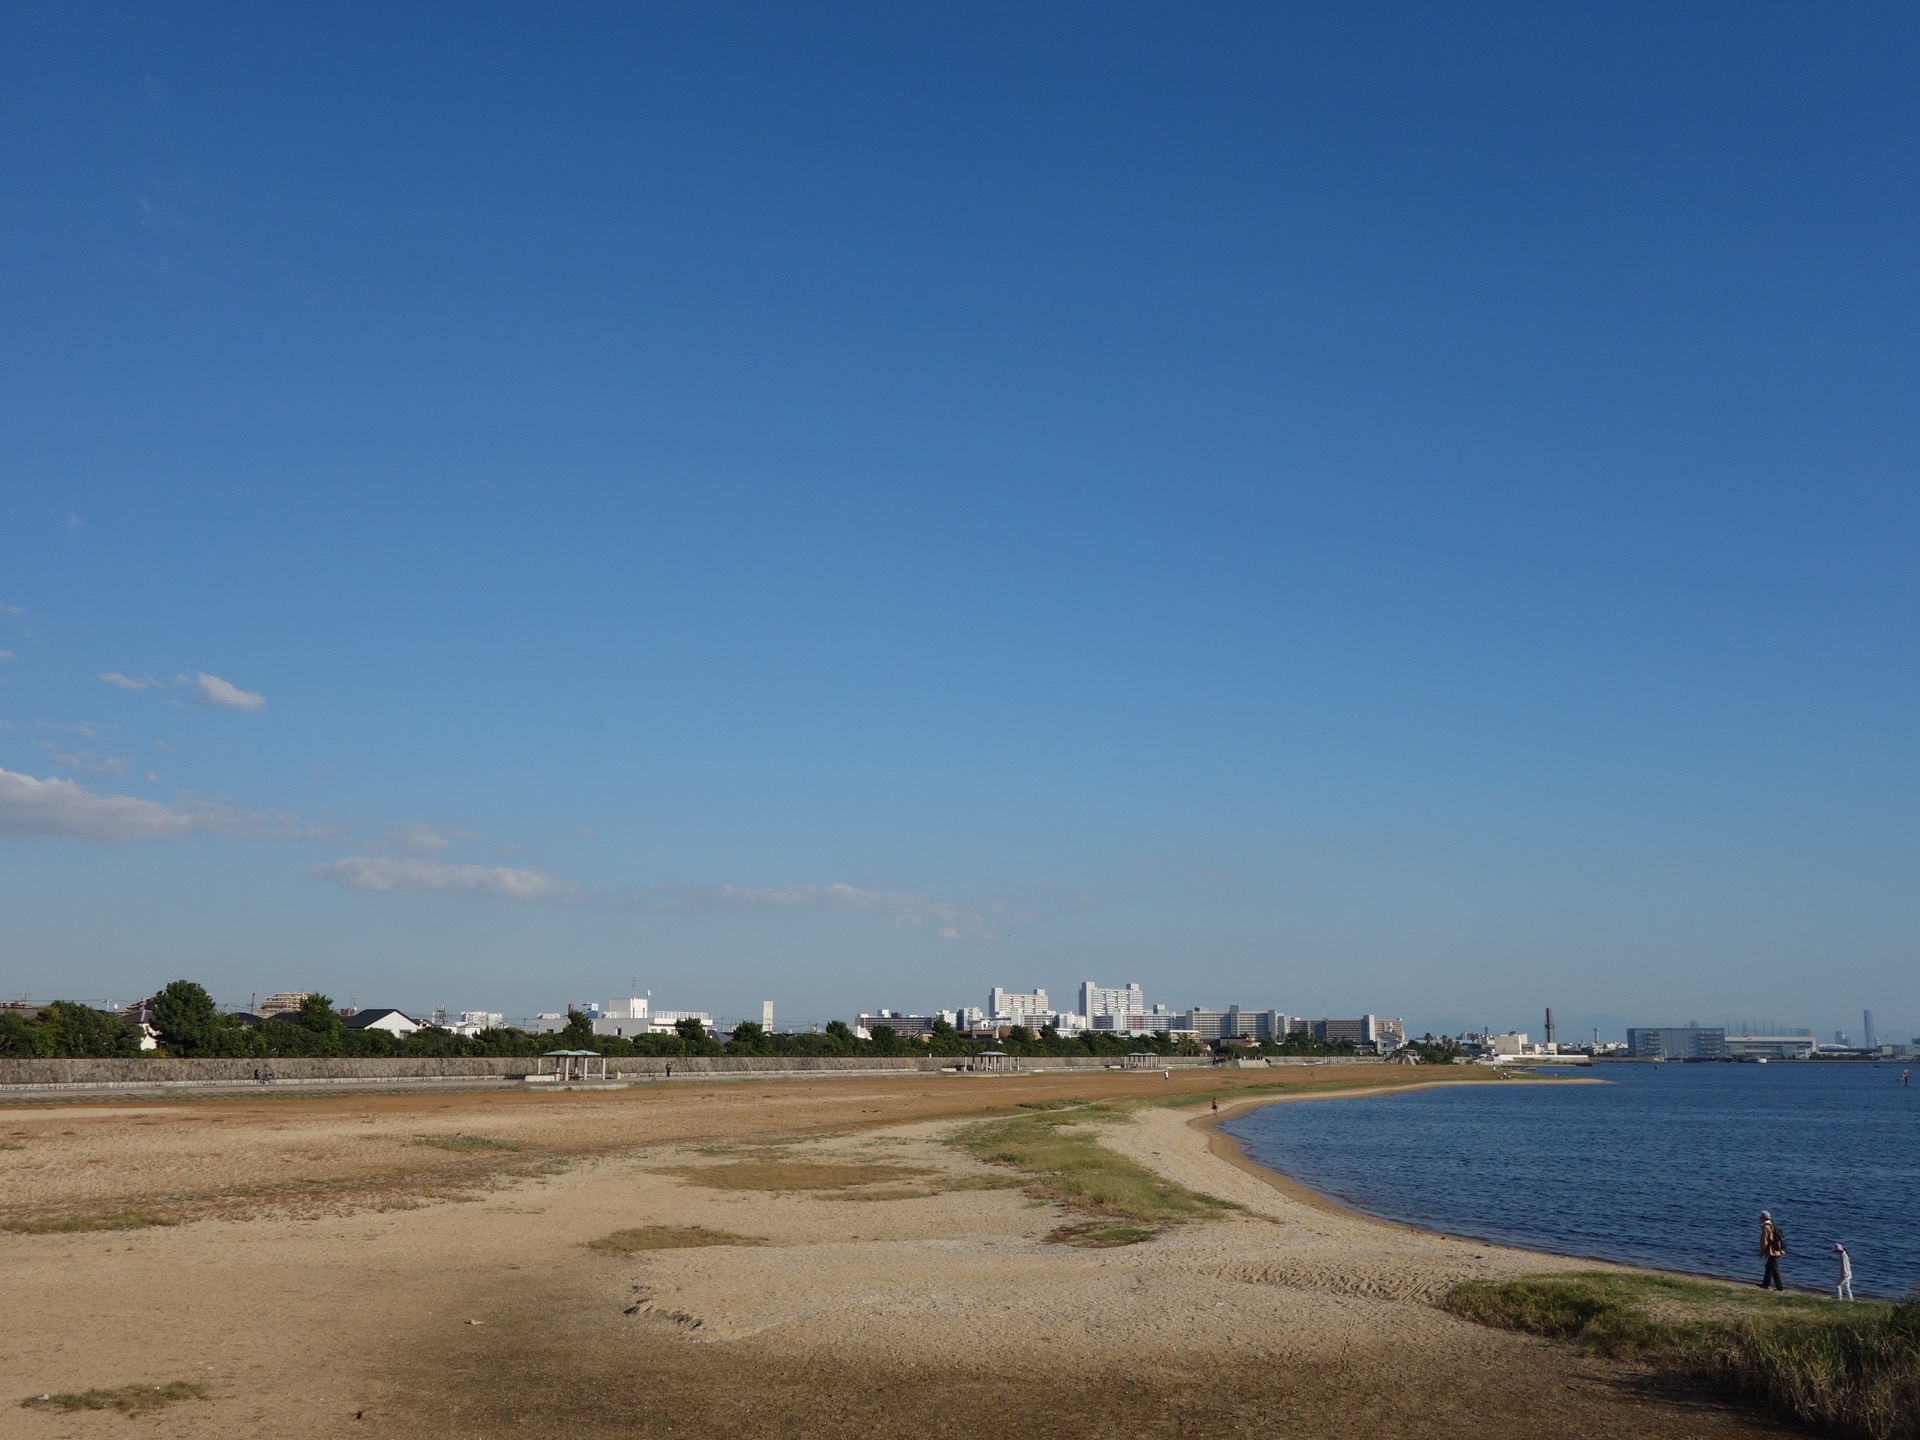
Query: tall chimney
x=1549, y=1025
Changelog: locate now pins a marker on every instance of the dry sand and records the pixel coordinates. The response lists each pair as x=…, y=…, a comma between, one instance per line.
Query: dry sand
x=327, y=1270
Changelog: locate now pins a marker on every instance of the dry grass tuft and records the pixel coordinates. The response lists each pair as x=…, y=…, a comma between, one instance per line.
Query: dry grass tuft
x=667, y=1237
x=83, y=1221
x=467, y=1142
x=1100, y=1235
x=783, y=1177
x=127, y=1399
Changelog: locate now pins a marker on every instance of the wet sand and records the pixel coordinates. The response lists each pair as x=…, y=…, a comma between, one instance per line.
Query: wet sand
x=327, y=1265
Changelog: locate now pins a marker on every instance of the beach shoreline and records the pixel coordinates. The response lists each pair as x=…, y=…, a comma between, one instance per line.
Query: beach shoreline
x=453, y=1275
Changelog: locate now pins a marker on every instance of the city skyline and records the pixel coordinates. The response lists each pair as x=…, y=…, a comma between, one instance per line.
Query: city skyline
x=1311, y=508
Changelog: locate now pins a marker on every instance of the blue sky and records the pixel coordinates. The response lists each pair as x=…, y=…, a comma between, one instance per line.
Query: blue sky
x=1395, y=508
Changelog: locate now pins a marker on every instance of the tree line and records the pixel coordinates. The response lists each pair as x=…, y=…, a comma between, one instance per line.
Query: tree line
x=189, y=1024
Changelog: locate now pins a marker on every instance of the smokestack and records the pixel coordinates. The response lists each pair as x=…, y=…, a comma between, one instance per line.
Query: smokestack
x=1866, y=1024
x=1549, y=1025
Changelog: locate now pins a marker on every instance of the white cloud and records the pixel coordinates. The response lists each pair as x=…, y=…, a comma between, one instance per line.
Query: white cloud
x=425, y=840
x=60, y=807
x=385, y=873
x=215, y=691
x=6, y=654
x=13, y=609
x=74, y=522
x=126, y=682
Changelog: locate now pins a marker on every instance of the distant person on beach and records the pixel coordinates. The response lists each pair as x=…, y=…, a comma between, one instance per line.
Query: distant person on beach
x=1843, y=1290
x=1773, y=1244
x=1167, y=1074
x=1903, y=1078
x=1216, y=1107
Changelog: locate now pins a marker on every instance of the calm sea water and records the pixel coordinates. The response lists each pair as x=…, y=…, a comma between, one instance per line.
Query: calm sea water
x=1667, y=1166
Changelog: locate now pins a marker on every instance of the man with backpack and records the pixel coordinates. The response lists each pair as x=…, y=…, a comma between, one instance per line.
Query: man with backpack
x=1773, y=1244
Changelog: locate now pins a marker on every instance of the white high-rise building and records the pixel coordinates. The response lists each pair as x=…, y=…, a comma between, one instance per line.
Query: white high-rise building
x=1127, y=999
x=1018, y=1004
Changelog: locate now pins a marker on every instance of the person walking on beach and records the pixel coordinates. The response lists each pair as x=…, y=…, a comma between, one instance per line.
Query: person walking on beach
x=1773, y=1244
x=1216, y=1107
x=1843, y=1290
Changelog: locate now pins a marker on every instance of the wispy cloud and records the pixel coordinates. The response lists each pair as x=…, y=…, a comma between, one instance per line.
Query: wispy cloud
x=30, y=806
x=215, y=691
x=418, y=871
x=97, y=764
x=74, y=522
x=386, y=873
x=950, y=919
x=13, y=609
x=424, y=840
x=6, y=654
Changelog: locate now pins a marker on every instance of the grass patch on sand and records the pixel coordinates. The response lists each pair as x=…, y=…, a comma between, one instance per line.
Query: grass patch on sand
x=127, y=1399
x=667, y=1237
x=787, y=1177
x=1060, y=1152
x=467, y=1142
x=1842, y=1369
x=84, y=1221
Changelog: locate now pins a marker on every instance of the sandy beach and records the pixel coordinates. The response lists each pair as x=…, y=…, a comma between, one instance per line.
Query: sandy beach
x=427, y=1265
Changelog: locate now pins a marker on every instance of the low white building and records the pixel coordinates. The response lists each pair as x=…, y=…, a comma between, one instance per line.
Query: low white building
x=394, y=1022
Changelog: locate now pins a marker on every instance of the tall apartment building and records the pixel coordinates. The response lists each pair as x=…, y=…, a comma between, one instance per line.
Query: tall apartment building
x=1233, y=1021
x=1127, y=999
x=1020, y=1005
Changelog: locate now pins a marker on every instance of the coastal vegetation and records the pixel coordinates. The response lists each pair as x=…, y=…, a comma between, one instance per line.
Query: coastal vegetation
x=1842, y=1369
x=1120, y=1202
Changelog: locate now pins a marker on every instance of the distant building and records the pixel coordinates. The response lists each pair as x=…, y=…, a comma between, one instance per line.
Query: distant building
x=394, y=1022
x=1234, y=1022
x=1148, y=1022
x=285, y=1003
x=1677, y=1042
x=1021, y=1005
x=1127, y=999
x=912, y=1027
x=1369, y=1033
x=1773, y=1043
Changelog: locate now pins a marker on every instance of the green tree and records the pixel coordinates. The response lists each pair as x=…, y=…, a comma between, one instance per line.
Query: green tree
x=183, y=1013
x=844, y=1040
x=693, y=1036
x=577, y=1033
x=81, y=1031
x=23, y=1039
x=749, y=1038
x=317, y=1016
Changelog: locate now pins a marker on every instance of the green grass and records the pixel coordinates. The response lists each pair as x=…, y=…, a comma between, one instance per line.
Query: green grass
x=466, y=1142
x=1060, y=1151
x=84, y=1221
x=127, y=1399
x=1842, y=1369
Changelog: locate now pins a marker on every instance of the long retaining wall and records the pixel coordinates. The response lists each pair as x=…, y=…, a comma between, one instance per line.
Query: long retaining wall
x=158, y=1072
x=168, y=1071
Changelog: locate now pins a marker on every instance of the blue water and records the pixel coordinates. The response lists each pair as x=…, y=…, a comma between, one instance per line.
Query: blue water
x=1667, y=1166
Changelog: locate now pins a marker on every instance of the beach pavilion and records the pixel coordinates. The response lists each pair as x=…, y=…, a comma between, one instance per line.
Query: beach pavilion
x=570, y=1066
